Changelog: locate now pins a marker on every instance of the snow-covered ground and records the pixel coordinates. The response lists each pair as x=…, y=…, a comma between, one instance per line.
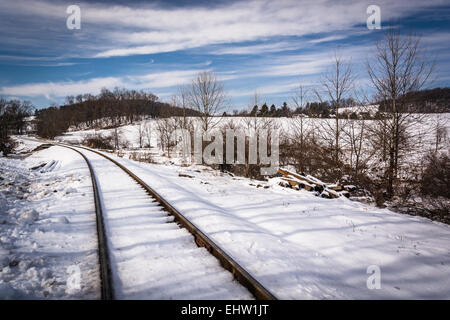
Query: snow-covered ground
x=370, y=109
x=304, y=247
x=50, y=232
x=422, y=134
x=47, y=227
x=297, y=245
x=151, y=256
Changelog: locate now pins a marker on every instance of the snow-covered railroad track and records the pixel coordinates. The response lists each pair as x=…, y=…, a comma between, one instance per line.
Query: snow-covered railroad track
x=169, y=265
x=105, y=266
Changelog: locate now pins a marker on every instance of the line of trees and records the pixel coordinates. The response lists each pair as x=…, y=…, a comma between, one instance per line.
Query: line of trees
x=316, y=109
x=376, y=154
x=106, y=110
x=426, y=101
x=435, y=100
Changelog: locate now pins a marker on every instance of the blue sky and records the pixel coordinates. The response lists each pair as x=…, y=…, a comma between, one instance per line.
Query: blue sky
x=262, y=46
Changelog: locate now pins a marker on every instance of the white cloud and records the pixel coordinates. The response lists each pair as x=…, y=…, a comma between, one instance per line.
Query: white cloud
x=61, y=89
x=162, y=79
x=64, y=88
x=150, y=49
x=303, y=66
x=330, y=38
x=272, y=89
x=127, y=30
x=297, y=65
x=258, y=48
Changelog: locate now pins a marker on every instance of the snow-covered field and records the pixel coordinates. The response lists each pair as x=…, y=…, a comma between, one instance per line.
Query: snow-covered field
x=297, y=245
x=422, y=134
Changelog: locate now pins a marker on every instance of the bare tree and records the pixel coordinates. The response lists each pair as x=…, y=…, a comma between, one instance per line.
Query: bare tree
x=141, y=134
x=181, y=100
x=300, y=96
x=440, y=131
x=254, y=103
x=207, y=96
x=253, y=122
x=378, y=131
x=399, y=68
x=336, y=85
x=116, y=138
x=356, y=137
x=164, y=127
x=300, y=130
x=148, y=133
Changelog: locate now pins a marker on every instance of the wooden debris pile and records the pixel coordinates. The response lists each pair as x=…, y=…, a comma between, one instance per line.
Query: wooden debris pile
x=298, y=181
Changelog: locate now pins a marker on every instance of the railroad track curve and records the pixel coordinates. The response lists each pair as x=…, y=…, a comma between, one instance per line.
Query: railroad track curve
x=240, y=274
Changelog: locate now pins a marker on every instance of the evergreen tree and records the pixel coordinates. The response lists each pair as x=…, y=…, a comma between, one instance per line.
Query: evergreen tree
x=273, y=110
x=264, y=110
x=285, y=111
x=254, y=111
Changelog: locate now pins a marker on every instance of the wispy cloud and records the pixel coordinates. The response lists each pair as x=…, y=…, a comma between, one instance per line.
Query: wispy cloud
x=261, y=44
x=275, y=68
x=150, y=81
x=61, y=89
x=280, y=88
x=298, y=64
x=119, y=30
x=330, y=38
x=27, y=58
x=258, y=48
x=162, y=79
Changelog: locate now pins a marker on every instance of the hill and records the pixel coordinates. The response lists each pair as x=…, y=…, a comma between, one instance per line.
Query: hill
x=108, y=109
x=435, y=100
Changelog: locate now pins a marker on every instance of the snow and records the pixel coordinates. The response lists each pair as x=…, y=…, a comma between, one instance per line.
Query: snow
x=297, y=245
x=303, y=247
x=422, y=135
x=371, y=109
x=151, y=256
x=44, y=230
x=52, y=229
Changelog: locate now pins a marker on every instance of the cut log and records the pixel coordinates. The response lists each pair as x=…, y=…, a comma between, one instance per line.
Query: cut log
x=183, y=175
x=335, y=187
x=287, y=173
x=310, y=183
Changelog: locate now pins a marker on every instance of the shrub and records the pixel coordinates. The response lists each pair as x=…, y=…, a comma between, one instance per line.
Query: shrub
x=99, y=142
x=436, y=177
x=142, y=157
x=7, y=146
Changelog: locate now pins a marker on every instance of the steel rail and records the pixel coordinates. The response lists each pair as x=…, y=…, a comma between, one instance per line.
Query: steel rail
x=107, y=291
x=201, y=239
